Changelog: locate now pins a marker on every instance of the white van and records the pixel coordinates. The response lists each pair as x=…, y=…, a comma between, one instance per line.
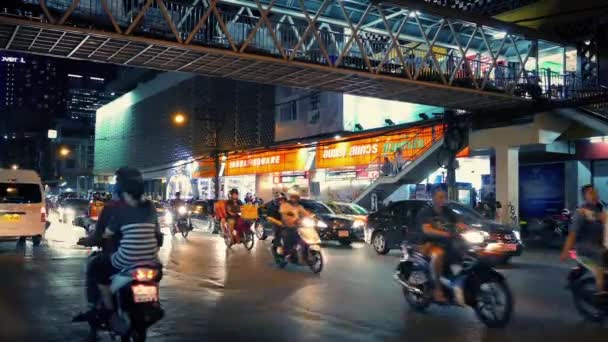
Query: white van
x=22, y=205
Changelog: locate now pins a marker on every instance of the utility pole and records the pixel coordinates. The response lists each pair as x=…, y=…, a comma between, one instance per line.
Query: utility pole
x=454, y=141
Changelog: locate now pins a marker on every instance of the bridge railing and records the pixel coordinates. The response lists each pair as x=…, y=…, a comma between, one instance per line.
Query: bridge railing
x=242, y=30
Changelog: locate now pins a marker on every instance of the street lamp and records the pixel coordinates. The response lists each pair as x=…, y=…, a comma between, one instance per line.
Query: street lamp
x=179, y=119
x=64, y=151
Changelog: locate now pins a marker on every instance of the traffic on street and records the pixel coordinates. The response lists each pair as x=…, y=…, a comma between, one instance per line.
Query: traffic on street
x=211, y=292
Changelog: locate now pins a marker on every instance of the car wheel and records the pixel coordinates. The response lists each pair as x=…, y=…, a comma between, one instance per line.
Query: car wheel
x=379, y=243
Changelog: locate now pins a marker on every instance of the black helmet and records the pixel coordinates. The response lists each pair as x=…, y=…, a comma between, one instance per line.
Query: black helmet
x=234, y=191
x=130, y=180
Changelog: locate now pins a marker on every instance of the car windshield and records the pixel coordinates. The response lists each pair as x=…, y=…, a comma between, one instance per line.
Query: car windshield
x=359, y=209
x=344, y=209
x=78, y=203
x=20, y=193
x=316, y=207
x=466, y=212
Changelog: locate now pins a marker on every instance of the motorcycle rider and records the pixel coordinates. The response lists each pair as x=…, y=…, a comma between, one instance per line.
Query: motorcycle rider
x=435, y=237
x=129, y=230
x=292, y=212
x=274, y=217
x=587, y=233
x=233, y=213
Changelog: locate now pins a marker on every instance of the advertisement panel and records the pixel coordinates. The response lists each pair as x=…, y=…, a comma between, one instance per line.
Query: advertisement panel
x=204, y=169
x=541, y=189
x=266, y=162
x=365, y=151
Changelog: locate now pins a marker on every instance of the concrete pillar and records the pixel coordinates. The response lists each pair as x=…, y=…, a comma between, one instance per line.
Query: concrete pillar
x=507, y=181
x=577, y=173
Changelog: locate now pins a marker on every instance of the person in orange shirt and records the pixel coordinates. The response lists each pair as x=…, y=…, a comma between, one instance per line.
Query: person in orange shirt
x=219, y=208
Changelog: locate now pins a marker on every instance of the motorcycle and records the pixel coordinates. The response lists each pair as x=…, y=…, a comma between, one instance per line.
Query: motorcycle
x=551, y=230
x=582, y=285
x=308, y=248
x=466, y=280
x=135, y=293
x=245, y=232
x=180, y=221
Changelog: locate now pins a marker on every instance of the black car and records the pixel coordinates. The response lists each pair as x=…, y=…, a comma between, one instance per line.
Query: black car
x=330, y=226
x=389, y=227
x=333, y=227
x=72, y=208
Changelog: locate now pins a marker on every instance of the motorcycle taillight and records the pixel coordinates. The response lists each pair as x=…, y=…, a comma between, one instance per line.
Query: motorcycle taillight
x=573, y=254
x=144, y=274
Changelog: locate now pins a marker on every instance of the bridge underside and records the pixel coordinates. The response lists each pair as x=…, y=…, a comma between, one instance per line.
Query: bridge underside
x=67, y=42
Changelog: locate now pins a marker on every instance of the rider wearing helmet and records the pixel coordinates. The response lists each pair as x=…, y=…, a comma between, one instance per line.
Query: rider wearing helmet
x=292, y=213
x=274, y=216
x=131, y=226
x=233, y=211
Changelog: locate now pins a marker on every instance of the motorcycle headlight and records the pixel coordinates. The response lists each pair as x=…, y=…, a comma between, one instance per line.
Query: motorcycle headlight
x=473, y=236
x=358, y=224
x=517, y=235
x=182, y=210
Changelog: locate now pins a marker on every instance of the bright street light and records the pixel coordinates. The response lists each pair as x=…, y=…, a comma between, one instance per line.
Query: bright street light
x=179, y=119
x=64, y=151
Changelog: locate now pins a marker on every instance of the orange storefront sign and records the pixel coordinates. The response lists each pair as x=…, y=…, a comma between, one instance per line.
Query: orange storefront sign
x=266, y=162
x=412, y=142
x=204, y=169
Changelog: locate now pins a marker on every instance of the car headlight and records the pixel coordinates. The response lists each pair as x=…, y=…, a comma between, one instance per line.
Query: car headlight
x=182, y=210
x=517, y=235
x=358, y=224
x=473, y=236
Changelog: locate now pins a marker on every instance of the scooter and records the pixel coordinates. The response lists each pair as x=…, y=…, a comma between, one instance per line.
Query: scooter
x=135, y=293
x=467, y=281
x=181, y=221
x=245, y=232
x=582, y=285
x=308, y=248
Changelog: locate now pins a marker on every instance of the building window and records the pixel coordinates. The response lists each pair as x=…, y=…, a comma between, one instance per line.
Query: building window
x=288, y=111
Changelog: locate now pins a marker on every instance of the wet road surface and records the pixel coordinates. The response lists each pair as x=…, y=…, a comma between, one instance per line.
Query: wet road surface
x=212, y=293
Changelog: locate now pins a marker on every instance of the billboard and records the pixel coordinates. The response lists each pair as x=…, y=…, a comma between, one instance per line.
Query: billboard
x=541, y=189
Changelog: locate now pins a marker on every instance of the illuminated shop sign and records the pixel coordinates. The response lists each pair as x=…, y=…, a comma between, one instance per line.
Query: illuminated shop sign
x=7, y=59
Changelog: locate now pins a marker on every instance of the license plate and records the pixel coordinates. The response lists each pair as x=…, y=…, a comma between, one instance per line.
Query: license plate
x=343, y=233
x=11, y=217
x=509, y=247
x=144, y=293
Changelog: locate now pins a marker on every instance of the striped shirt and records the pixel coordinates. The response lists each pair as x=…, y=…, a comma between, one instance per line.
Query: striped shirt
x=136, y=231
x=137, y=245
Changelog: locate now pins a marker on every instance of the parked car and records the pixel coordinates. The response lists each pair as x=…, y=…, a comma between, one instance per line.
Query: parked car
x=72, y=208
x=389, y=227
x=351, y=210
x=333, y=227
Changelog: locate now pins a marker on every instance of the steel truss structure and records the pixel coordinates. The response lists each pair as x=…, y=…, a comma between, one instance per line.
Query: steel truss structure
x=389, y=50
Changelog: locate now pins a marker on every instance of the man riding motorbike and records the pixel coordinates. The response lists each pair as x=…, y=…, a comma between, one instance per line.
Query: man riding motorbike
x=177, y=202
x=129, y=230
x=274, y=217
x=233, y=211
x=435, y=237
x=292, y=213
x=587, y=233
